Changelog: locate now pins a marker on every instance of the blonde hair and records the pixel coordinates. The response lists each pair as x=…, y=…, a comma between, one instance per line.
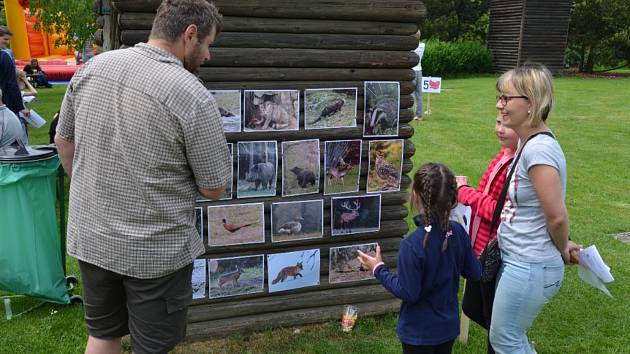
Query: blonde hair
x=534, y=81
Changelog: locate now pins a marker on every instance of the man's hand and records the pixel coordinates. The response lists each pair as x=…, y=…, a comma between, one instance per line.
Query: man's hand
x=369, y=261
x=26, y=112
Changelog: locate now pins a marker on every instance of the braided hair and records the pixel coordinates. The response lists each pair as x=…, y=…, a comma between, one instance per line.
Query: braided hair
x=435, y=190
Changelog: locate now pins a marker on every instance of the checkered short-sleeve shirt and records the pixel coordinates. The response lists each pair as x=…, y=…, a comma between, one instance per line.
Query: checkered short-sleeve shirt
x=146, y=134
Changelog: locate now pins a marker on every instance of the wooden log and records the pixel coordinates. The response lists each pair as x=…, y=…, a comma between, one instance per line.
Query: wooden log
x=295, y=41
x=412, y=11
x=316, y=297
x=144, y=21
x=231, y=74
x=406, y=87
x=248, y=324
x=405, y=131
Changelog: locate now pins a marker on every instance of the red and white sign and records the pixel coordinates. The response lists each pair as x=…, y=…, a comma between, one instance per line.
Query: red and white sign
x=431, y=84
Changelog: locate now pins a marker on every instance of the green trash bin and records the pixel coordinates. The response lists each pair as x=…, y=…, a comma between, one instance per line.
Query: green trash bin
x=31, y=258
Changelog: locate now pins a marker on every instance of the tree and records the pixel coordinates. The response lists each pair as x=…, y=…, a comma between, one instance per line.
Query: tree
x=74, y=18
x=449, y=20
x=600, y=33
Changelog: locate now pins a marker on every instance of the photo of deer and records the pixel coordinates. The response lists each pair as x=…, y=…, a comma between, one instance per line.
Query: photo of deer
x=385, y=166
x=292, y=270
x=382, y=107
x=228, y=190
x=300, y=167
x=273, y=110
x=199, y=221
x=229, y=104
x=199, y=279
x=330, y=108
x=236, y=276
x=257, y=166
x=236, y=224
x=342, y=165
x=356, y=214
x=299, y=220
x=344, y=265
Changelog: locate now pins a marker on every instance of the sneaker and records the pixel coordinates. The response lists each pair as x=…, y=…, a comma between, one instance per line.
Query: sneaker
x=417, y=118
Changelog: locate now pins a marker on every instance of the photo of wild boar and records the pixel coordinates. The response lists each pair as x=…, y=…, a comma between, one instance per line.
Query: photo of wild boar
x=257, y=165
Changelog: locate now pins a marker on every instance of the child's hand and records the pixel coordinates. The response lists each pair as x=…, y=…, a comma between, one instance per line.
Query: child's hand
x=369, y=261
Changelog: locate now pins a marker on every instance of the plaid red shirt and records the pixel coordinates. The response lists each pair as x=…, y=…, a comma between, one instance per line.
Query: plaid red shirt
x=483, y=204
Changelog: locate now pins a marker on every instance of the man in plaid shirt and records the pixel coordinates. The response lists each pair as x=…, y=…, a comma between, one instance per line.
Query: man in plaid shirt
x=141, y=136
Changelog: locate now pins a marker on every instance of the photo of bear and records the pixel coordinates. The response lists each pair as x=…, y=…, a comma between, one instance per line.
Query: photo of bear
x=234, y=276
x=330, y=108
x=381, y=108
x=300, y=167
x=299, y=220
x=271, y=110
x=229, y=104
x=257, y=166
x=292, y=270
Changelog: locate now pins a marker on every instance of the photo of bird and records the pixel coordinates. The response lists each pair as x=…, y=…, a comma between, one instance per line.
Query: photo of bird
x=386, y=173
x=234, y=227
x=291, y=227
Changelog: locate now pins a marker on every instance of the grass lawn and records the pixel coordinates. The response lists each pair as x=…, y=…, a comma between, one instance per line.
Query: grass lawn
x=592, y=123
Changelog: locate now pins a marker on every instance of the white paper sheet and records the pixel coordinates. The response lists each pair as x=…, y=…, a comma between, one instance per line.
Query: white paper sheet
x=34, y=119
x=592, y=269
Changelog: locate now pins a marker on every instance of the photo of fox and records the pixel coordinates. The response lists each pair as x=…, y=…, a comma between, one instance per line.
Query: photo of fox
x=293, y=270
x=344, y=265
x=229, y=105
x=300, y=167
x=235, y=224
x=234, y=276
x=199, y=279
x=298, y=220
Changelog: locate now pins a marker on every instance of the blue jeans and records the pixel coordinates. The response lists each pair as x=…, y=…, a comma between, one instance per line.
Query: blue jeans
x=522, y=291
x=417, y=93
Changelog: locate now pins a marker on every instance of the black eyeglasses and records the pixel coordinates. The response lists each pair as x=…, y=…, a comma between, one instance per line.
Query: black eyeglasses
x=505, y=98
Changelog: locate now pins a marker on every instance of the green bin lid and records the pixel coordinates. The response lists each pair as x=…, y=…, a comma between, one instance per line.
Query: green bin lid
x=18, y=154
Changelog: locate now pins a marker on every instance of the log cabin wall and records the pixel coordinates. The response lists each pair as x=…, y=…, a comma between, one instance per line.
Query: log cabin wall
x=288, y=44
x=528, y=30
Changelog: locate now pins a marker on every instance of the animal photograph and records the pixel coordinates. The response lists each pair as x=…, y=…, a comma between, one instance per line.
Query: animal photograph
x=236, y=224
x=229, y=103
x=382, y=106
x=300, y=167
x=271, y=110
x=292, y=270
x=257, y=166
x=199, y=279
x=342, y=165
x=344, y=265
x=234, y=276
x=356, y=214
x=330, y=108
x=199, y=221
x=300, y=220
x=385, y=166
x=228, y=191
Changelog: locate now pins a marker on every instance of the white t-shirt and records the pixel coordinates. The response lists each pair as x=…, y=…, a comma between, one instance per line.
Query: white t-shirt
x=523, y=232
x=419, y=51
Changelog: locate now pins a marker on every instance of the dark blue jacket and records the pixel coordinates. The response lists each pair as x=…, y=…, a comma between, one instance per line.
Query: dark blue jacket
x=427, y=280
x=11, y=95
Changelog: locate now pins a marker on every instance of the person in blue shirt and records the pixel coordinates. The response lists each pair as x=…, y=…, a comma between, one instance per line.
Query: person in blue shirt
x=430, y=262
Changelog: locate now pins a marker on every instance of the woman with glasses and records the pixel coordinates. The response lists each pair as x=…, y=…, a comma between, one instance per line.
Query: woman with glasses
x=534, y=231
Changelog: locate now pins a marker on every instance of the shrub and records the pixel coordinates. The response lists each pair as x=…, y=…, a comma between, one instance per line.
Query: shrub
x=447, y=59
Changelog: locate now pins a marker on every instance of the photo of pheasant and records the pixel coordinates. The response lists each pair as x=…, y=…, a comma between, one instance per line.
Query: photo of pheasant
x=235, y=224
x=385, y=167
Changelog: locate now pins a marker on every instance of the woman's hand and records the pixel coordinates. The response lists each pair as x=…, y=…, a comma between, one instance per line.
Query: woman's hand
x=369, y=261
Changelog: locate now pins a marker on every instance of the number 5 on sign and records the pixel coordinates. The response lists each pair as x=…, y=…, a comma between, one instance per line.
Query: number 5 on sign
x=431, y=85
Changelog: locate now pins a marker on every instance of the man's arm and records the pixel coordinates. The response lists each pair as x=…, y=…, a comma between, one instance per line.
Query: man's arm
x=66, y=152
x=212, y=194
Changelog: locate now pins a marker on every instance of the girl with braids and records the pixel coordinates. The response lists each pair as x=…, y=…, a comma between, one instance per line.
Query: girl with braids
x=430, y=262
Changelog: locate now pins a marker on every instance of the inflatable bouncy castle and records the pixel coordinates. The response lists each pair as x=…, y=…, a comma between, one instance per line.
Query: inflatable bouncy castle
x=27, y=43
